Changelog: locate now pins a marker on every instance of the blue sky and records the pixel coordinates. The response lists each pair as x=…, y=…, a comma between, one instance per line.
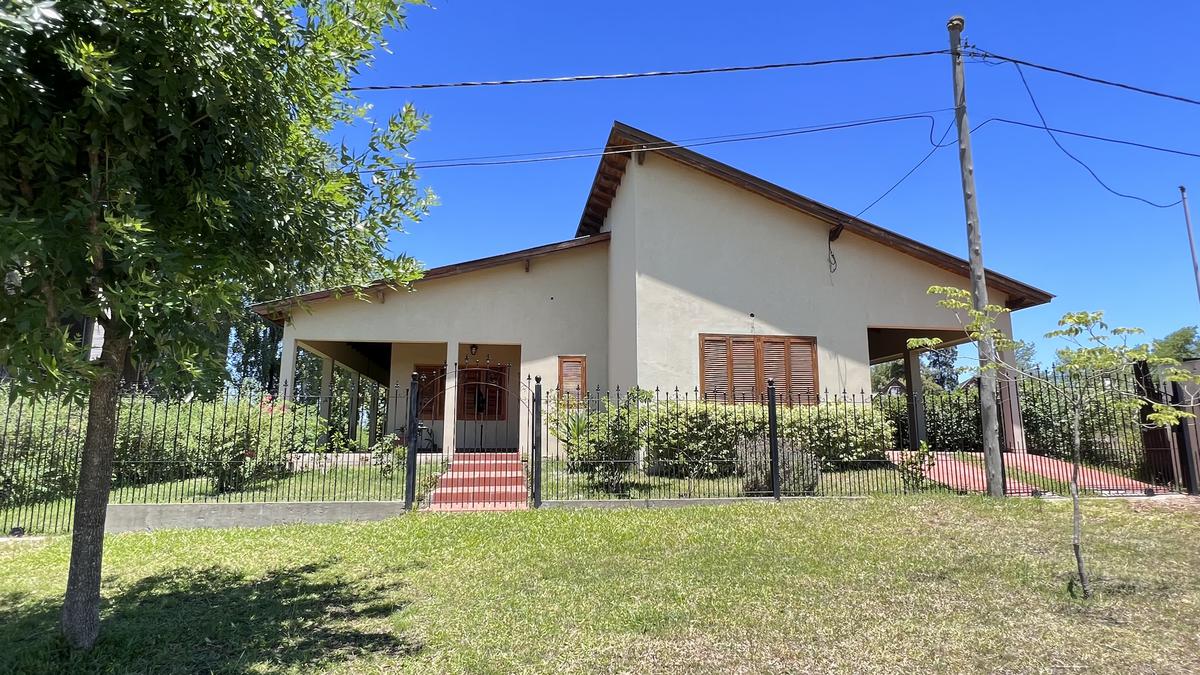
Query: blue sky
x=1045, y=221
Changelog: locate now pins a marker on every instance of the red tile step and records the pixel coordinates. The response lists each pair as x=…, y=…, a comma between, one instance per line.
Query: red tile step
x=481, y=481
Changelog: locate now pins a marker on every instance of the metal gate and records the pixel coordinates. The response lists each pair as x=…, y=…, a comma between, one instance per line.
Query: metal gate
x=463, y=433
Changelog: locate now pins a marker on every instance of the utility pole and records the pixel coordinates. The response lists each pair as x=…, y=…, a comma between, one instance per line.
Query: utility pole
x=993, y=462
x=1187, y=219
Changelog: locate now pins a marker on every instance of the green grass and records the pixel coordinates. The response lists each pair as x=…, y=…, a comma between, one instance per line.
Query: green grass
x=933, y=582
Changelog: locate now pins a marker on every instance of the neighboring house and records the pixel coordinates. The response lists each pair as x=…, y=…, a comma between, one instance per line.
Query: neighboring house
x=683, y=273
x=894, y=387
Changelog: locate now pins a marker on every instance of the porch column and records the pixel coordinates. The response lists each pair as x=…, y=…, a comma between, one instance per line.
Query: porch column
x=1012, y=426
x=373, y=415
x=325, y=398
x=450, y=412
x=287, y=366
x=352, y=413
x=914, y=386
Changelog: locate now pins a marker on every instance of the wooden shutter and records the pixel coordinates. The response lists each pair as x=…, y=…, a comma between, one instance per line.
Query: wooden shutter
x=802, y=370
x=774, y=367
x=736, y=368
x=433, y=392
x=714, y=367
x=572, y=376
x=743, y=368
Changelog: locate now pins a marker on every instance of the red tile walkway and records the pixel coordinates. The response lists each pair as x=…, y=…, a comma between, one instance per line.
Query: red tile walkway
x=968, y=476
x=1090, y=479
x=481, y=481
x=961, y=475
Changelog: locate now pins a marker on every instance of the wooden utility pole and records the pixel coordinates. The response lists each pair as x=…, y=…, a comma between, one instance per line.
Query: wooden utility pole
x=993, y=462
x=1187, y=220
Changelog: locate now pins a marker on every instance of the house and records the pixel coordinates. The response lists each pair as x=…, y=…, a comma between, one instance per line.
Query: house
x=894, y=387
x=683, y=274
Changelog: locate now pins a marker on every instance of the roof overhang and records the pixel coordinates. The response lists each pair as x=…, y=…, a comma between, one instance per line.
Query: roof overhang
x=625, y=142
x=277, y=310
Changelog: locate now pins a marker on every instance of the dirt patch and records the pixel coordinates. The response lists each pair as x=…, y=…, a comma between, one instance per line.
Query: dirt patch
x=1176, y=504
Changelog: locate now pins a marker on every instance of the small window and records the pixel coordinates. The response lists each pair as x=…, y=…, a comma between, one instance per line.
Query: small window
x=572, y=376
x=736, y=367
x=432, y=381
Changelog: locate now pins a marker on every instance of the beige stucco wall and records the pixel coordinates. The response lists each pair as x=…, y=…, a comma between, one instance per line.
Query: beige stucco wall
x=710, y=254
x=560, y=306
x=622, y=287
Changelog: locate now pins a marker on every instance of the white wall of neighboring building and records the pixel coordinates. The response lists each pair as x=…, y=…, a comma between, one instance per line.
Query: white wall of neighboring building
x=709, y=255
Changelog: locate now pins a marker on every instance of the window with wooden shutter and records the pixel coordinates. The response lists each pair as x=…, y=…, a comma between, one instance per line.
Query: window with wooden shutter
x=432, y=381
x=483, y=393
x=735, y=368
x=714, y=366
x=572, y=376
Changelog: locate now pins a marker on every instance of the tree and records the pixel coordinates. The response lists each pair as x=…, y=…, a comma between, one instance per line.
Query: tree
x=942, y=367
x=1025, y=353
x=1178, y=345
x=163, y=161
x=1091, y=348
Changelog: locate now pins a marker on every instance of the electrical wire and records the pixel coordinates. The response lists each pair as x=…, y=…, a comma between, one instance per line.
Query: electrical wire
x=936, y=146
x=1078, y=161
x=979, y=53
x=653, y=73
x=520, y=158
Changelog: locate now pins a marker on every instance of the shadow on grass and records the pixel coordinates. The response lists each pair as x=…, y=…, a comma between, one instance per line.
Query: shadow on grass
x=214, y=620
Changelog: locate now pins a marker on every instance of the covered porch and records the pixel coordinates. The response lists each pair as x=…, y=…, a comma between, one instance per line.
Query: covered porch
x=469, y=395
x=888, y=344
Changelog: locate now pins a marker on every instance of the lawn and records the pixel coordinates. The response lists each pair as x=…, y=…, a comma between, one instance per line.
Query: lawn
x=930, y=582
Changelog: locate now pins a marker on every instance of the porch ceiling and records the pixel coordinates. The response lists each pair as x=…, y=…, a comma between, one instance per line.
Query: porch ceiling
x=889, y=344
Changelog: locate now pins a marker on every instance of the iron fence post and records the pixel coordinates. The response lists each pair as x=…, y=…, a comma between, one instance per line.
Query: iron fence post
x=410, y=460
x=773, y=438
x=536, y=445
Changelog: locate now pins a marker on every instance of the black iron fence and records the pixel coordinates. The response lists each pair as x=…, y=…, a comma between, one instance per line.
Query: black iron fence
x=532, y=446
x=655, y=444
x=245, y=445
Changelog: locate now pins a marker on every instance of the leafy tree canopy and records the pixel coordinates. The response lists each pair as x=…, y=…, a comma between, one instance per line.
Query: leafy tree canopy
x=1178, y=345
x=166, y=160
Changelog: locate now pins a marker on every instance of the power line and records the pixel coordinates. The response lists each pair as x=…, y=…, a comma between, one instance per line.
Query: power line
x=936, y=146
x=1094, y=137
x=979, y=53
x=653, y=73
x=1066, y=152
x=519, y=158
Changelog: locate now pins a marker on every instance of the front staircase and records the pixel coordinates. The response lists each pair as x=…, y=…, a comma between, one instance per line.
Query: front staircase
x=481, y=481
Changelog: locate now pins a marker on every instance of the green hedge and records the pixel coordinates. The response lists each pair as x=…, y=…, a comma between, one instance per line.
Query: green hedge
x=702, y=440
x=235, y=442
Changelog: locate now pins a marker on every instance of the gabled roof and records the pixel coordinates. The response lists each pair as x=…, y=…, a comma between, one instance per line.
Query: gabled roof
x=274, y=309
x=624, y=141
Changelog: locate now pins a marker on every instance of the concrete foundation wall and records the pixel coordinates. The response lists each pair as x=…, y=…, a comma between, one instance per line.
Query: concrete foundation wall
x=149, y=517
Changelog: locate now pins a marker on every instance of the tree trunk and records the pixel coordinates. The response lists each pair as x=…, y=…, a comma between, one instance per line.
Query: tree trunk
x=80, y=620
x=1076, y=512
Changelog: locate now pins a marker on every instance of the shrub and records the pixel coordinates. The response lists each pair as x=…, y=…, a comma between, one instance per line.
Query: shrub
x=838, y=433
x=601, y=444
x=799, y=470
x=388, y=455
x=234, y=441
x=914, y=467
x=699, y=440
